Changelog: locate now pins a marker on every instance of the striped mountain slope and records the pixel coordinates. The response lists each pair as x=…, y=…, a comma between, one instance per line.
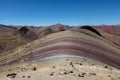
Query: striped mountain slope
x=80, y=42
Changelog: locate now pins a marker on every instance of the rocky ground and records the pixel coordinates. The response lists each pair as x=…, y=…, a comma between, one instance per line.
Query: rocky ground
x=62, y=67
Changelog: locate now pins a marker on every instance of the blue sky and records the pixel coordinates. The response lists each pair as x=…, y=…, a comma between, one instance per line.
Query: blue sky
x=70, y=12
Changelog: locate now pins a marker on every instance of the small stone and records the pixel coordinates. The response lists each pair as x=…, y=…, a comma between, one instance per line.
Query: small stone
x=12, y=75
x=23, y=76
x=83, y=73
x=53, y=66
x=65, y=73
x=92, y=74
x=67, y=59
x=80, y=75
x=28, y=76
x=34, y=68
x=80, y=63
x=71, y=64
x=92, y=64
x=71, y=71
x=106, y=67
x=51, y=74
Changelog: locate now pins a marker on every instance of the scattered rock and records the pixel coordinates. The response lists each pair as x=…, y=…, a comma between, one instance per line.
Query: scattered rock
x=28, y=77
x=52, y=74
x=83, y=73
x=12, y=75
x=106, y=67
x=67, y=59
x=92, y=74
x=92, y=64
x=65, y=73
x=80, y=75
x=71, y=64
x=23, y=76
x=53, y=66
x=71, y=71
x=34, y=68
x=80, y=63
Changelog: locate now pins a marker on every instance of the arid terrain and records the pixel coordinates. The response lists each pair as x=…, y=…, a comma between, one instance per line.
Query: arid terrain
x=60, y=52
